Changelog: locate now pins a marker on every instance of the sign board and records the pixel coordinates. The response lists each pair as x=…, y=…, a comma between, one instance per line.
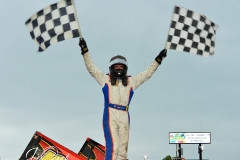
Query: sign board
x=189, y=137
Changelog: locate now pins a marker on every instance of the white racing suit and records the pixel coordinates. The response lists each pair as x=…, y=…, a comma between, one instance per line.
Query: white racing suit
x=116, y=119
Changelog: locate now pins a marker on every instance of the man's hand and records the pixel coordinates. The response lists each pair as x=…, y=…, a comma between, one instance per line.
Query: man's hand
x=161, y=55
x=83, y=45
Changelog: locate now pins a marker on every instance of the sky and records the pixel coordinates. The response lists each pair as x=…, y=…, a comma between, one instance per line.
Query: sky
x=52, y=92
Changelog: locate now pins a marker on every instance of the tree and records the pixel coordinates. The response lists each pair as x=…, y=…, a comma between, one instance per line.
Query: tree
x=167, y=158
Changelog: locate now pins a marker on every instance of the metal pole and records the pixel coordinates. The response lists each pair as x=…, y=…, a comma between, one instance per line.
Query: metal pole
x=200, y=151
x=179, y=150
x=176, y=150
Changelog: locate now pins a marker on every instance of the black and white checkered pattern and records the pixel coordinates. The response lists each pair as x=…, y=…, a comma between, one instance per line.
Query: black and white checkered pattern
x=191, y=32
x=54, y=23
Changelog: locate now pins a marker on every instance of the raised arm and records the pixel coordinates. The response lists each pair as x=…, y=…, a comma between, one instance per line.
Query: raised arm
x=91, y=67
x=145, y=75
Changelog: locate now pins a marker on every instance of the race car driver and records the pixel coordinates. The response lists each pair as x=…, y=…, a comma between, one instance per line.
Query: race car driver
x=118, y=89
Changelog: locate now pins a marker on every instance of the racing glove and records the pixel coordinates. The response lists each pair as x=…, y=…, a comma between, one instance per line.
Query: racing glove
x=83, y=46
x=161, y=55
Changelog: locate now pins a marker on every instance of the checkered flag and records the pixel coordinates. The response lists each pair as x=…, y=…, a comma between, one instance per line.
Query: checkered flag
x=55, y=23
x=191, y=32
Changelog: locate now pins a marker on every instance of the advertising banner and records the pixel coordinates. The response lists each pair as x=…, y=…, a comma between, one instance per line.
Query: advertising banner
x=189, y=137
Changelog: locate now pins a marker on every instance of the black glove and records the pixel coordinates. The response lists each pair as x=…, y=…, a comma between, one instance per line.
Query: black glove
x=161, y=55
x=83, y=45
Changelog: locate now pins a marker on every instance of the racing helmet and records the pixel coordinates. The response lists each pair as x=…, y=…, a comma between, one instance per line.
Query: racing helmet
x=118, y=73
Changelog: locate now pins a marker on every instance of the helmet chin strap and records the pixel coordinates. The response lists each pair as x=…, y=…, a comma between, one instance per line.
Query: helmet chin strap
x=114, y=80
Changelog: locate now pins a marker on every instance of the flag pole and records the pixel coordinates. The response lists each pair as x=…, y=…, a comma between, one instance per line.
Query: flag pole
x=76, y=15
